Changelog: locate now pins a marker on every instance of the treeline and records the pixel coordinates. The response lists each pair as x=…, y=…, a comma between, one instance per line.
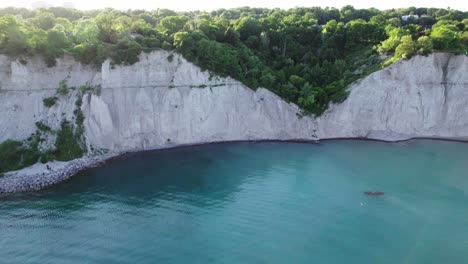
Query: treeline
x=305, y=55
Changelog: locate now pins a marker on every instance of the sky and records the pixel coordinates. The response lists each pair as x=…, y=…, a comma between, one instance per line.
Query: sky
x=208, y=5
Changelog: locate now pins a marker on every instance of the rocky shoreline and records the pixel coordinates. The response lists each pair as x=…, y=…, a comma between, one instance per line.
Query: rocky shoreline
x=40, y=176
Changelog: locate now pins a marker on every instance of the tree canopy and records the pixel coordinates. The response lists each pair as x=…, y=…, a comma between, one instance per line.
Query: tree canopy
x=305, y=55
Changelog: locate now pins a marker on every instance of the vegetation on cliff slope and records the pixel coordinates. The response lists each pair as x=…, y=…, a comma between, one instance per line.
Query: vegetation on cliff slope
x=68, y=140
x=305, y=55
x=15, y=155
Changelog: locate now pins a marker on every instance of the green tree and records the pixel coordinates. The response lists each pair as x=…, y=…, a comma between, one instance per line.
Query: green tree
x=394, y=39
x=172, y=24
x=406, y=49
x=44, y=20
x=86, y=31
x=445, y=37
x=179, y=39
x=464, y=40
x=424, y=45
x=305, y=55
x=113, y=27
x=248, y=26
x=231, y=36
x=65, y=23
x=56, y=42
x=331, y=26
x=13, y=40
x=394, y=22
x=141, y=27
x=360, y=32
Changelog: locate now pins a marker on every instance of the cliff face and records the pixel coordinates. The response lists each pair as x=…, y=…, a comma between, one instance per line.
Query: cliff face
x=151, y=104
x=422, y=97
x=156, y=103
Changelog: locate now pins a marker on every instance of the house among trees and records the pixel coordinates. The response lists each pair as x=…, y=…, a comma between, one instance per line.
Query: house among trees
x=405, y=18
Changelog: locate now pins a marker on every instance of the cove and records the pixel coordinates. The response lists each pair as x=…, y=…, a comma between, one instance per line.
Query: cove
x=252, y=203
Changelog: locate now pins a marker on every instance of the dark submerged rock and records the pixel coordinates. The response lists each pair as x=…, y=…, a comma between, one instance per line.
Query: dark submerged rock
x=374, y=193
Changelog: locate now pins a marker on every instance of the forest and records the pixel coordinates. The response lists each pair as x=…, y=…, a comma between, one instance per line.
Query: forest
x=307, y=56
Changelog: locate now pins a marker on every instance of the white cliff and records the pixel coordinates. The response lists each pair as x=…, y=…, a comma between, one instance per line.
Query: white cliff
x=422, y=97
x=151, y=104
x=156, y=103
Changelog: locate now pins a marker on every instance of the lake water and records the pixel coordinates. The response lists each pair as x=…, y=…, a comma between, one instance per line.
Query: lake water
x=252, y=203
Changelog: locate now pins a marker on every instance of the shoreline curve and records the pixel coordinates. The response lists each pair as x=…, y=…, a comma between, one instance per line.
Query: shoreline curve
x=39, y=176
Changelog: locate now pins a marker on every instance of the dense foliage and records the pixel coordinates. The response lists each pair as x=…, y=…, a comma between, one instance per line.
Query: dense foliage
x=67, y=144
x=306, y=55
x=15, y=155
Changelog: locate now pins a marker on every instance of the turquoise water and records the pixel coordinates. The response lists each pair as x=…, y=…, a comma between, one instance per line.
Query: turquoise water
x=252, y=203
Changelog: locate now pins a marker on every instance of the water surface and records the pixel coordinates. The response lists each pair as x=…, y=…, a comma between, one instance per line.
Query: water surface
x=252, y=203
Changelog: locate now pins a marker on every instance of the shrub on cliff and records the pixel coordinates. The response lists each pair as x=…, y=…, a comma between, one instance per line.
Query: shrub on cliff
x=63, y=88
x=50, y=101
x=67, y=143
x=15, y=155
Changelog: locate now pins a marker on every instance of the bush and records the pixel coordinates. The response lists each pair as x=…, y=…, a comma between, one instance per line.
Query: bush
x=85, y=88
x=47, y=156
x=91, y=53
x=67, y=143
x=170, y=58
x=63, y=88
x=424, y=45
x=406, y=49
x=88, y=88
x=126, y=53
x=50, y=101
x=42, y=127
x=14, y=155
x=445, y=37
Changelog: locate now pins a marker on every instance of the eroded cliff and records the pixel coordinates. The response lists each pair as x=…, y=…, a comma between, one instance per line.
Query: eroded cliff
x=160, y=103
x=422, y=97
x=152, y=104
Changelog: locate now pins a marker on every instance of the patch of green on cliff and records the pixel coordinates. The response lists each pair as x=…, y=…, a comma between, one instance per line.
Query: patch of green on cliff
x=63, y=88
x=170, y=58
x=67, y=143
x=50, y=101
x=15, y=155
x=43, y=127
x=87, y=88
